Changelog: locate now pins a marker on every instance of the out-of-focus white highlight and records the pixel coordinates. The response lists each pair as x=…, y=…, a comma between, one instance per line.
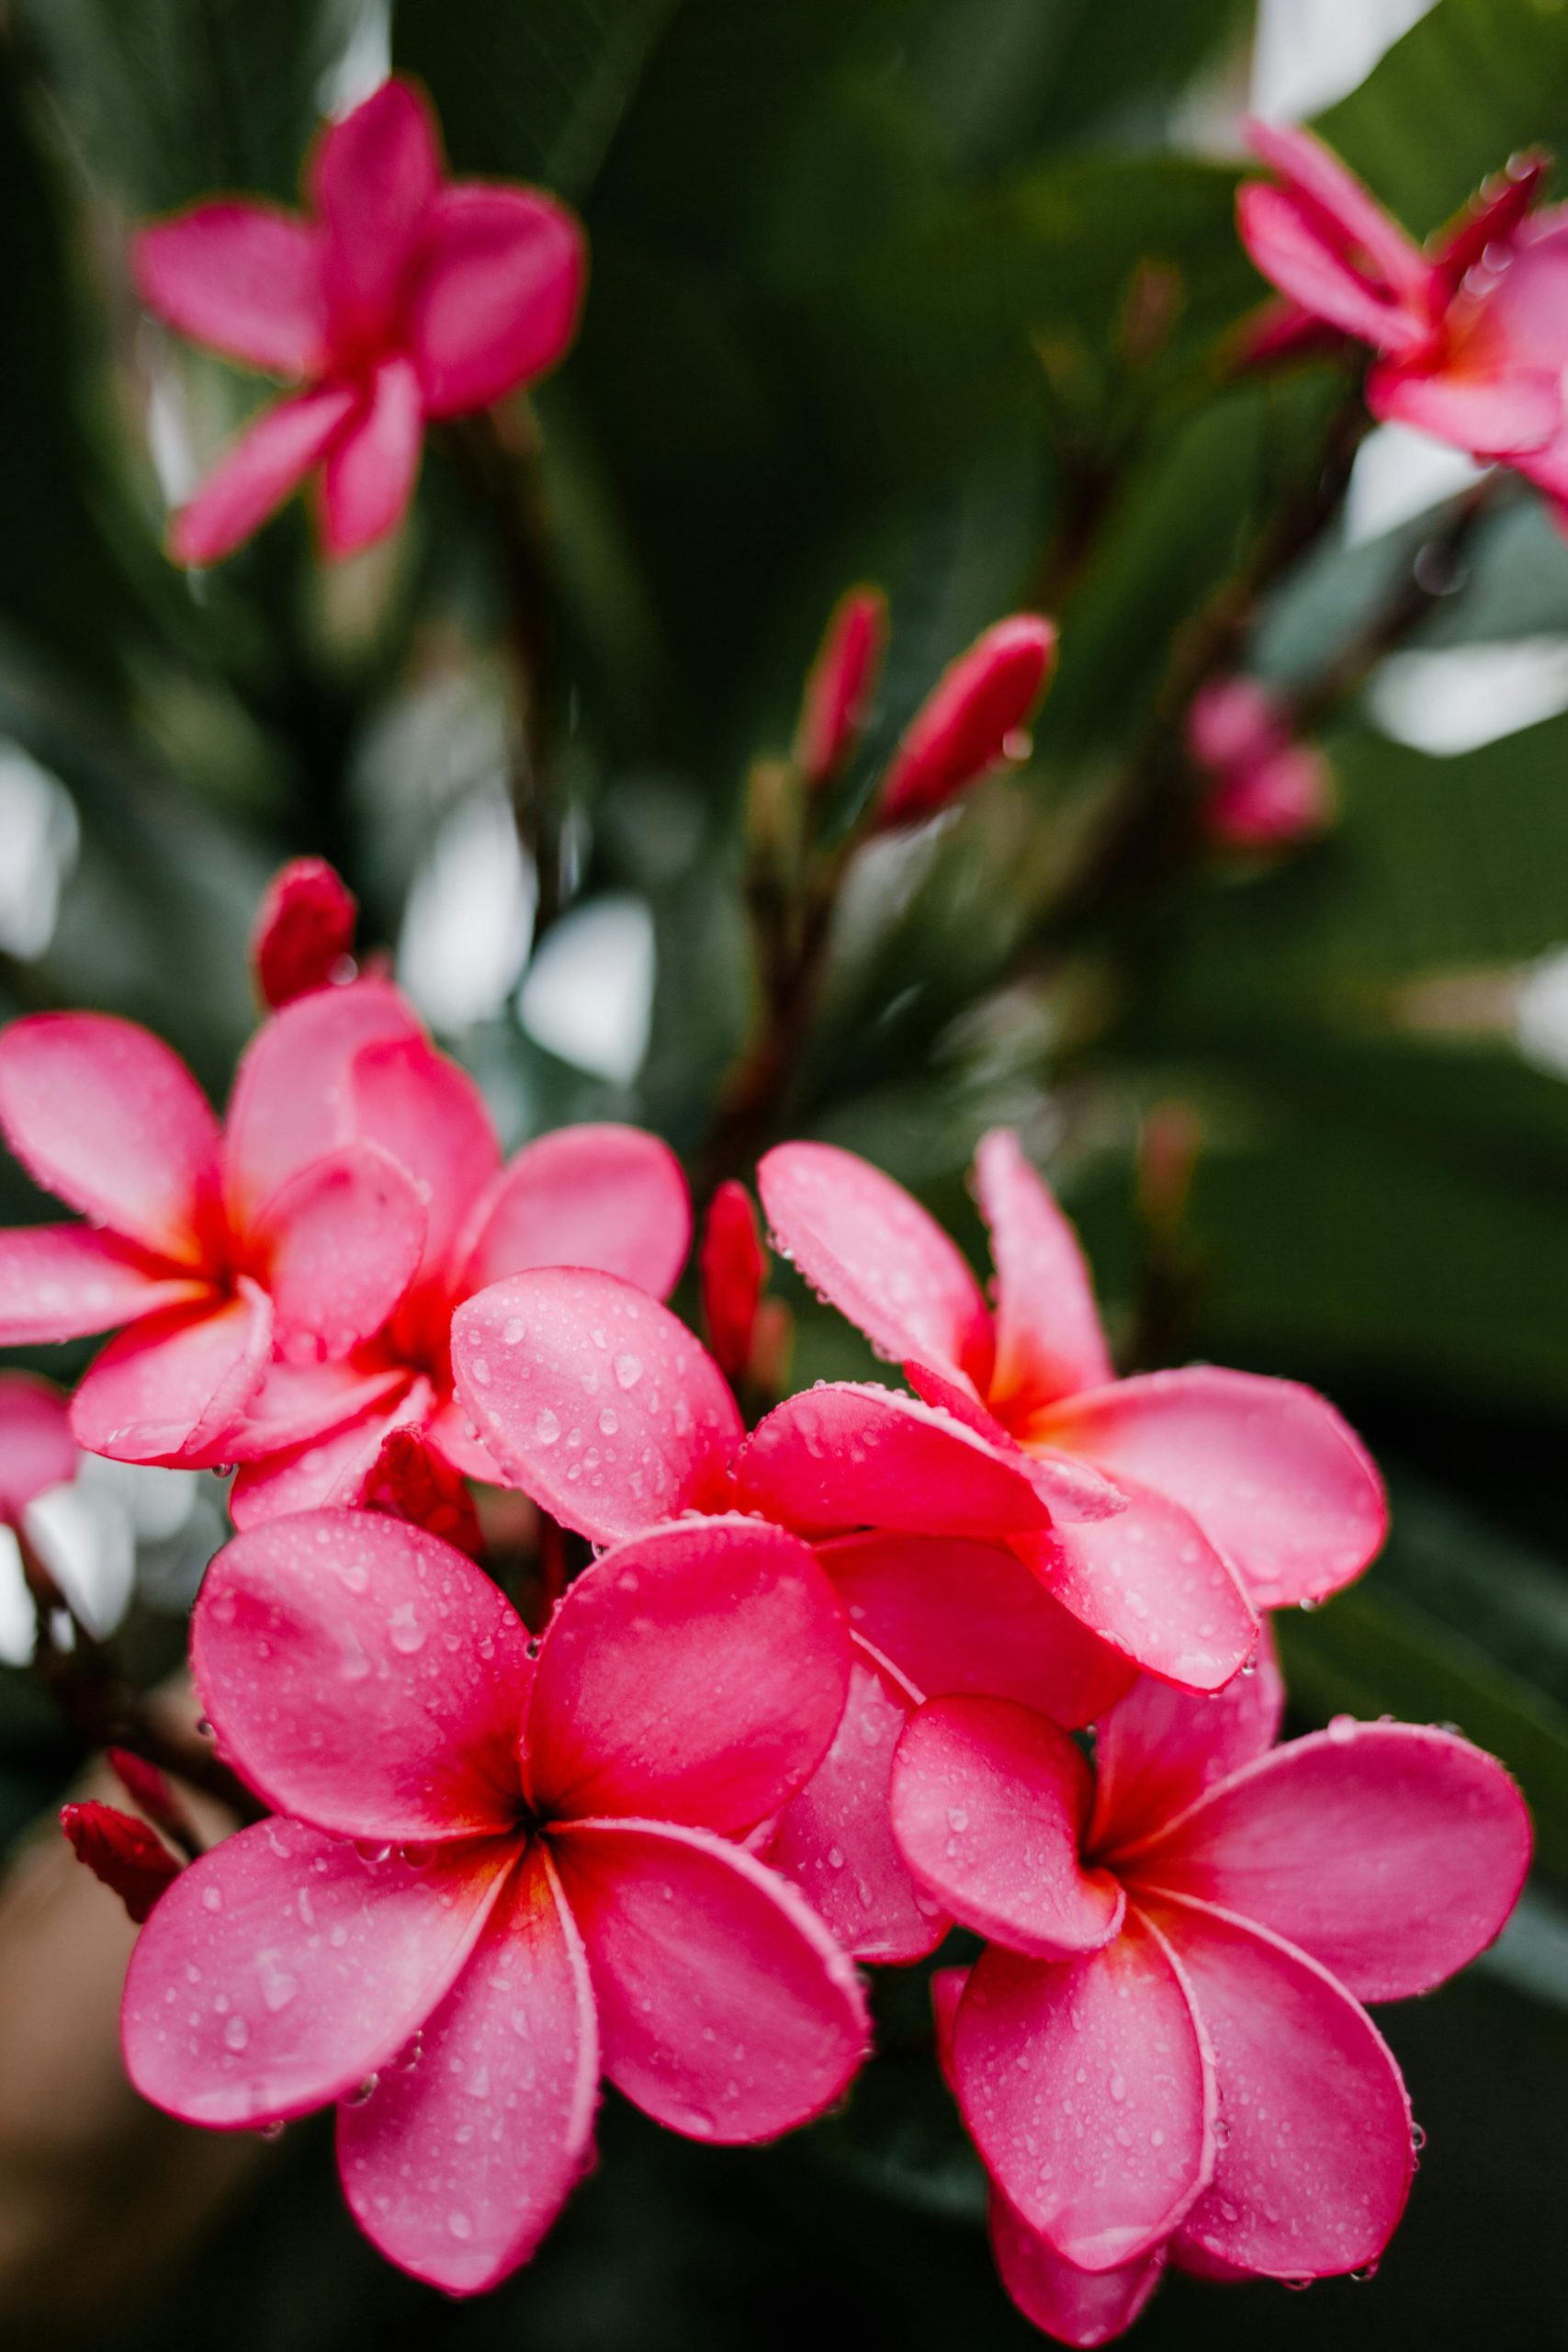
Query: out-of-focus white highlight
x=469, y=916
x=588, y=993
x=1307, y=53
x=86, y=1533
x=1541, y=1013
x=38, y=833
x=1399, y=474
x=363, y=63
x=1466, y=696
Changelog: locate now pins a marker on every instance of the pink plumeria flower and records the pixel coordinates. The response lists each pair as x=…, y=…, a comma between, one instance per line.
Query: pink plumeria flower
x=1472, y=338
x=401, y=299
x=600, y=1403
x=213, y=1245
x=1265, y=791
x=1163, y=2040
x=498, y=1877
x=1239, y=1492
x=599, y=1195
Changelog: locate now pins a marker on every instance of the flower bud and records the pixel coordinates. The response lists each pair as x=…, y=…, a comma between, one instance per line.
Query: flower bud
x=409, y=1480
x=303, y=932
x=840, y=684
x=1267, y=791
x=131, y=1859
x=973, y=721
x=733, y=1267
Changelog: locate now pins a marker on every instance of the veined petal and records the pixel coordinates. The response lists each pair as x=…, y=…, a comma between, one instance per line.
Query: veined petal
x=608, y=1198
x=64, y=1281
x=1050, y=1341
x=291, y=1101
x=269, y=461
x=244, y=278
x=312, y=1968
x=372, y=178
x=727, y=2010
x=695, y=1674
x=456, y=2166
x=171, y=1388
x=363, y=1676
x=338, y=1245
x=1078, y=2307
x=1157, y=1752
x=372, y=467
x=100, y=1112
x=496, y=290
x=846, y=1455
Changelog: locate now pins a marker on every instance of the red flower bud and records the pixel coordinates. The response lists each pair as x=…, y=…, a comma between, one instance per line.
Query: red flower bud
x=733, y=1267
x=840, y=684
x=131, y=1859
x=303, y=931
x=971, y=721
x=409, y=1480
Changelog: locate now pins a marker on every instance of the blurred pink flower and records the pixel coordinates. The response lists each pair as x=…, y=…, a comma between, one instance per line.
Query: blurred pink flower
x=1162, y=2047
x=499, y=1876
x=841, y=684
x=1471, y=335
x=1267, y=791
x=1163, y=1511
x=401, y=298
x=972, y=721
x=37, y=1449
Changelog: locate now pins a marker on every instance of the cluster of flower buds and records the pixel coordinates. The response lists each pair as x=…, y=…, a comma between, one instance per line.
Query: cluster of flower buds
x=1265, y=791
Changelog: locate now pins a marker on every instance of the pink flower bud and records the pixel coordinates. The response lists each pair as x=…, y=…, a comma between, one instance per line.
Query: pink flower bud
x=972, y=721
x=409, y=1480
x=1268, y=791
x=303, y=931
x=132, y=1860
x=840, y=684
x=733, y=1266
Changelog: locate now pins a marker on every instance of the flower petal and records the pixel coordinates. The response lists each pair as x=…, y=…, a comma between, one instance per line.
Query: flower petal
x=1314, y=171
x=268, y=461
x=242, y=277
x=733, y=1267
x=958, y=1616
x=1157, y=1751
x=101, y=1113
x=299, y=1402
x=726, y=2011
x=883, y=1262
x=990, y=1801
x=63, y=1282
x=498, y=288
x=1086, y=2087
x=835, y=1839
x=427, y=1112
x=1274, y=1477
x=608, y=1198
x=1049, y=1338
x=304, y=929
x=1389, y=1852
x=372, y=178
x=339, y=1242
x=1284, y=239
x=363, y=1676
x=171, y=1388
x=695, y=1674
x=331, y=1468
x=1151, y=1584
x=1501, y=412
x=291, y=1101
x=456, y=2166
x=1315, y=2155
x=1078, y=2307
x=595, y=1399
x=1070, y=1489
x=281, y=1969
x=37, y=1449
x=846, y=1455
x=371, y=469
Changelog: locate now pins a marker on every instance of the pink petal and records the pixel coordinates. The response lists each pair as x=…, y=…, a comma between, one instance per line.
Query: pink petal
x=242, y=277
x=363, y=1676
x=1274, y=1477
x=1496, y=414
x=1284, y=799
x=947, y=1991
x=1087, y=2088
x=835, y=1840
x=303, y=931
x=733, y=1267
x=610, y=1199
x=958, y=1616
x=726, y=2011
x=841, y=684
x=1079, y=2307
x=282, y=1968
x=411, y=1479
x=1389, y=1852
x=595, y=1399
x=971, y=718
x=1151, y=1584
x=418, y=1105
x=456, y=2167
x=100, y=1112
x=269, y=461
x=328, y=1469
x=37, y=1449
x=1068, y=1488
x=370, y=471
x=499, y=286
x=1314, y=2157
x=846, y=1455
x=1285, y=240
x=1157, y=1751
x=883, y=1262
x=697, y=1674
x=62, y=1282
x=989, y=1803
x=291, y=1101
x=299, y=1402
x=171, y=1388
x=1049, y=1339
x=1315, y=172
x=372, y=179
x=338, y=1245
x=452, y=1434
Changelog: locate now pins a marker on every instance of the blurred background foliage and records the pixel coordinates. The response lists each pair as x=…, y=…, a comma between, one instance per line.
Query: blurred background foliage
x=936, y=293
